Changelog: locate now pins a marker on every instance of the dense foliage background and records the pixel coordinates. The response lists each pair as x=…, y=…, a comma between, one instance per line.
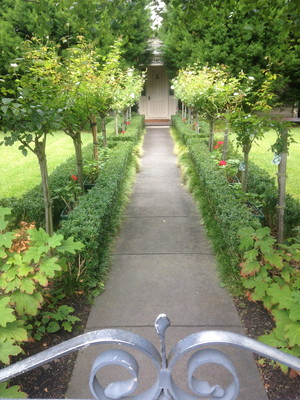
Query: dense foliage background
x=101, y=22
x=244, y=35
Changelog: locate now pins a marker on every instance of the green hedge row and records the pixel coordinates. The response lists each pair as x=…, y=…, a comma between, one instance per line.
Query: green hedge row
x=186, y=131
x=223, y=214
x=30, y=206
x=133, y=131
x=94, y=220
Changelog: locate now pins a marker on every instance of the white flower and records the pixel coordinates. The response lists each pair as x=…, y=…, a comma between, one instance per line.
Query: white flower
x=251, y=78
x=14, y=65
x=132, y=95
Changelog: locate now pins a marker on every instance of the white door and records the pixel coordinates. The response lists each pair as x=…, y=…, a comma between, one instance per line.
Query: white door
x=157, y=93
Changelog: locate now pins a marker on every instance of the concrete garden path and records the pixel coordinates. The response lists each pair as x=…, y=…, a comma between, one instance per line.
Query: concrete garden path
x=163, y=263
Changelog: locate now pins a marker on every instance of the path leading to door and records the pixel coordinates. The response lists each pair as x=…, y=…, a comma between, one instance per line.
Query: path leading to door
x=163, y=263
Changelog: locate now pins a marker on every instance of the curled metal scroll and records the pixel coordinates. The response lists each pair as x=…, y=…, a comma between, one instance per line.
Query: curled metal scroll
x=165, y=386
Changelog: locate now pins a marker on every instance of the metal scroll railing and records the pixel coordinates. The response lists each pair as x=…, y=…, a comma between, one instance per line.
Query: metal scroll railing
x=165, y=386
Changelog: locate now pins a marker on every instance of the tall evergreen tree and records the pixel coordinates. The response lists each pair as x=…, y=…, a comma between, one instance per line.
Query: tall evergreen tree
x=101, y=22
x=244, y=35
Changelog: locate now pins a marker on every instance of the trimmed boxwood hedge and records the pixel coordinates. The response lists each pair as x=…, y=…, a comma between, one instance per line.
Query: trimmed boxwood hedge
x=186, y=131
x=133, y=131
x=93, y=221
x=218, y=203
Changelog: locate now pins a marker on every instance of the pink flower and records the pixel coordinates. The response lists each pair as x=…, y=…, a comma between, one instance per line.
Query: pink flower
x=216, y=146
x=220, y=142
x=222, y=162
x=74, y=177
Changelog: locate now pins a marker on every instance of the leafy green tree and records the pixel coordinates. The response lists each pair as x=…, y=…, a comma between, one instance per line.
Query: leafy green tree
x=33, y=112
x=251, y=120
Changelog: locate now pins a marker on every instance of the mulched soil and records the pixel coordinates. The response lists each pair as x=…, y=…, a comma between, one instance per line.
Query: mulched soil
x=51, y=380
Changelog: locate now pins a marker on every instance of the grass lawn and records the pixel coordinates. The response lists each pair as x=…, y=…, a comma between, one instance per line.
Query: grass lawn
x=263, y=156
x=18, y=173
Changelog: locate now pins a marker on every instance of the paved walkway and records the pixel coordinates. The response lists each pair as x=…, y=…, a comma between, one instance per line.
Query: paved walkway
x=163, y=263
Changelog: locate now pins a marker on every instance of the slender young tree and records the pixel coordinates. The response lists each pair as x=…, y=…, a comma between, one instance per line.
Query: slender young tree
x=33, y=112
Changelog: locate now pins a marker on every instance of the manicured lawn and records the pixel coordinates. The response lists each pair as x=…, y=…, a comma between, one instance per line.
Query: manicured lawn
x=18, y=174
x=263, y=156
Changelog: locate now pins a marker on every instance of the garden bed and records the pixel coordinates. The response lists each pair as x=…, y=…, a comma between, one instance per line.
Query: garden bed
x=51, y=380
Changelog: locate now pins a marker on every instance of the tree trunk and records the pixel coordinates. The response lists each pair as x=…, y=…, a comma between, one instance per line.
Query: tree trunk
x=93, y=123
x=211, y=134
x=123, y=120
x=40, y=150
x=225, y=145
x=197, y=123
x=116, y=123
x=79, y=159
x=103, y=129
x=246, y=151
x=189, y=114
x=282, y=186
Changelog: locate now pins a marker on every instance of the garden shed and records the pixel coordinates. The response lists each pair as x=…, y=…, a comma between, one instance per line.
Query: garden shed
x=157, y=102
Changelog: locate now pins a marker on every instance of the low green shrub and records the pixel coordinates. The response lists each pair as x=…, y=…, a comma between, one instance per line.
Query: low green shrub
x=133, y=131
x=95, y=219
x=223, y=214
x=186, y=130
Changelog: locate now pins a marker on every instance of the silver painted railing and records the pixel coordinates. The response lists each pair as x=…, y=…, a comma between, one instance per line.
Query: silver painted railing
x=165, y=386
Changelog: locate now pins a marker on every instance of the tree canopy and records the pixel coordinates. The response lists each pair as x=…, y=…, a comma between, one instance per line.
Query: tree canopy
x=249, y=36
x=99, y=21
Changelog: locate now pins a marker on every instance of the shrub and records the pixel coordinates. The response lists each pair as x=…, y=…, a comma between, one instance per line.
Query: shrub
x=223, y=214
x=133, y=131
x=186, y=131
x=95, y=219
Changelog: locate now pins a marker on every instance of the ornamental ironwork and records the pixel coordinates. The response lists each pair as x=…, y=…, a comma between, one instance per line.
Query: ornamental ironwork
x=164, y=386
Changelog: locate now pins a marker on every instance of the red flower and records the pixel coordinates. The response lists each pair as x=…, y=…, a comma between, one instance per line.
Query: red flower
x=222, y=162
x=123, y=132
x=127, y=122
x=183, y=119
x=74, y=177
x=220, y=142
x=216, y=146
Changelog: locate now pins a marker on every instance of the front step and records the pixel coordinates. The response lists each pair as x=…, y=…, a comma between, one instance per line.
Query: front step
x=157, y=122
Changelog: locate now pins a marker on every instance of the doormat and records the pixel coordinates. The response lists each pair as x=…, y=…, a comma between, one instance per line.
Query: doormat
x=157, y=122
